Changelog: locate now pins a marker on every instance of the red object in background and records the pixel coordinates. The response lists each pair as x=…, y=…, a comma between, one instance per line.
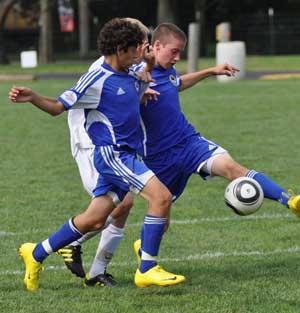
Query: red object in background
x=66, y=16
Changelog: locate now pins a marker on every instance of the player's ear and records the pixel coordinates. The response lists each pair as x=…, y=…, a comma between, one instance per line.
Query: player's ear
x=156, y=44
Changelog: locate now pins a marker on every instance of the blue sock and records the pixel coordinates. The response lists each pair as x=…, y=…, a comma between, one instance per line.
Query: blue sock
x=271, y=190
x=152, y=232
x=142, y=239
x=65, y=235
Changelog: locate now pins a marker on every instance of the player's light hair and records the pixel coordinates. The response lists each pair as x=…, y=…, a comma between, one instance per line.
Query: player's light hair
x=164, y=30
x=142, y=26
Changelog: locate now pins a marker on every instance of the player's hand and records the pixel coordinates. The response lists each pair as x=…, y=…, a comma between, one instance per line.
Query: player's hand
x=151, y=94
x=149, y=57
x=145, y=76
x=225, y=69
x=20, y=94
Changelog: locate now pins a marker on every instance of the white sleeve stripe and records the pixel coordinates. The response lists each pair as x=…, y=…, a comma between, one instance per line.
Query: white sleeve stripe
x=86, y=81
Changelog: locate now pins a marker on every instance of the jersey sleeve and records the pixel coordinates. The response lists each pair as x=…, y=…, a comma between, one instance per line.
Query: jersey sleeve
x=84, y=95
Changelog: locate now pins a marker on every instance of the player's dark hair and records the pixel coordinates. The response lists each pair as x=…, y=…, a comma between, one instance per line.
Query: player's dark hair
x=119, y=34
x=164, y=30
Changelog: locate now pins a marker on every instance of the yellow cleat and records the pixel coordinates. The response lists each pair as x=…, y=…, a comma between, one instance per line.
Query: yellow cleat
x=294, y=204
x=136, y=248
x=32, y=267
x=157, y=276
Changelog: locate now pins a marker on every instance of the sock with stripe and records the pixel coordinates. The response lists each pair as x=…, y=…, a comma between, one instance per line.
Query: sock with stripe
x=271, y=189
x=65, y=235
x=153, y=230
x=111, y=238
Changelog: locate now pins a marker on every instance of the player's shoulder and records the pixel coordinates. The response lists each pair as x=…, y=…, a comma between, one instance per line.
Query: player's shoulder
x=96, y=64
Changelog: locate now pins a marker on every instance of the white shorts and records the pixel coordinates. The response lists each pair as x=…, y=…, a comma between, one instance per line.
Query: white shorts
x=88, y=173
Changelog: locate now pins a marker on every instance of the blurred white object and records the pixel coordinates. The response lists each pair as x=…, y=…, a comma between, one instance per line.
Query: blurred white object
x=223, y=32
x=234, y=53
x=29, y=59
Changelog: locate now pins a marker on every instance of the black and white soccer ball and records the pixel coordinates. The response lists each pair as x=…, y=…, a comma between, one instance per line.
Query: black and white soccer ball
x=244, y=195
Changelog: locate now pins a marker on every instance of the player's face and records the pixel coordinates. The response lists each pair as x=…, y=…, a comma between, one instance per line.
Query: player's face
x=127, y=58
x=168, y=53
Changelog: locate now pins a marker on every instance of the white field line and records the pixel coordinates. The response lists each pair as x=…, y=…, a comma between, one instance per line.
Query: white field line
x=189, y=258
x=176, y=222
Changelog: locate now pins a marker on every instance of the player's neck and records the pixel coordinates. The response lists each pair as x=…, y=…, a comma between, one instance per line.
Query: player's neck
x=113, y=62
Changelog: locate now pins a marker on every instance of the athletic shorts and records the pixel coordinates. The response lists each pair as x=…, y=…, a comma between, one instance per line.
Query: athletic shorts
x=173, y=167
x=88, y=173
x=120, y=172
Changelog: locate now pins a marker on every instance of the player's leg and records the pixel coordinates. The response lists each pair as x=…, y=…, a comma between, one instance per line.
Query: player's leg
x=89, y=176
x=126, y=171
x=111, y=238
x=155, y=222
x=224, y=165
x=92, y=219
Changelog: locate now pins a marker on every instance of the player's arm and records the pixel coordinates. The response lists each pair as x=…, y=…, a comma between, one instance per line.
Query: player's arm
x=47, y=104
x=190, y=79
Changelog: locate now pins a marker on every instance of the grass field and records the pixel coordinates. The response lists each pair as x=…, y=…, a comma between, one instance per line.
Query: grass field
x=232, y=264
x=253, y=63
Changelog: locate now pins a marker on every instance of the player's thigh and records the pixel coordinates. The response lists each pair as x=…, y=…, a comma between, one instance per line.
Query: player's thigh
x=121, y=212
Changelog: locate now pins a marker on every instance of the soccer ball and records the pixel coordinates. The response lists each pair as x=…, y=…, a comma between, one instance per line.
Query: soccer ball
x=244, y=195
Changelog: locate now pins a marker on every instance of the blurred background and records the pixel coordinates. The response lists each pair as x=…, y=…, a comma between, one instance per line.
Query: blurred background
x=68, y=28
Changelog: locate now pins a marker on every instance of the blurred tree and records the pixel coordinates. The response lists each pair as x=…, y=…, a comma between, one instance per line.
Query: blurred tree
x=166, y=11
x=84, y=29
x=5, y=6
x=46, y=32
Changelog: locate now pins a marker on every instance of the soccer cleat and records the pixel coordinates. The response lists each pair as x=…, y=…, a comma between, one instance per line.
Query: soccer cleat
x=72, y=259
x=32, y=267
x=294, y=204
x=136, y=248
x=101, y=280
x=157, y=276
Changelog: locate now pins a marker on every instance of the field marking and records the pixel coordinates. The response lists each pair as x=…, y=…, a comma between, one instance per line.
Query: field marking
x=189, y=258
x=176, y=222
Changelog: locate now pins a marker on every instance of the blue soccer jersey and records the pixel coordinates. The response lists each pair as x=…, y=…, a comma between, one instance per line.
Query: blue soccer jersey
x=164, y=125
x=110, y=100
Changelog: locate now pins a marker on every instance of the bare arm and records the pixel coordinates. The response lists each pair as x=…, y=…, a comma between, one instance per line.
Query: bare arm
x=47, y=104
x=190, y=79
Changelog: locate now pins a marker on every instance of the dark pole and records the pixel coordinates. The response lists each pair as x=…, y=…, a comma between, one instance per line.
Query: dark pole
x=271, y=30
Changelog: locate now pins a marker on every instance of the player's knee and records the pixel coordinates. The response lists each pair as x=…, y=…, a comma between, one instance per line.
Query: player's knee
x=163, y=200
x=94, y=224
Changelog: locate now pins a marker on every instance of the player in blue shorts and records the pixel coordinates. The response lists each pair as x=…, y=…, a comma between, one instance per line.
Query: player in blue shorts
x=110, y=97
x=172, y=147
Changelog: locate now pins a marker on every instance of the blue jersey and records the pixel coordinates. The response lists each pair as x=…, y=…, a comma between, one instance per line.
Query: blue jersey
x=164, y=124
x=111, y=103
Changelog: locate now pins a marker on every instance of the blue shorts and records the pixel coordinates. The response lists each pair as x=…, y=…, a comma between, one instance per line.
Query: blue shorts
x=120, y=172
x=174, y=166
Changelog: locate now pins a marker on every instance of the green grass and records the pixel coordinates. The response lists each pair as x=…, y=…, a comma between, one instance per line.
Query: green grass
x=232, y=264
x=253, y=63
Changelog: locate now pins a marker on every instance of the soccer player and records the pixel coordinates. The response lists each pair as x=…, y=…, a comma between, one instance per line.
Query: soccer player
x=173, y=149
x=110, y=97
x=82, y=150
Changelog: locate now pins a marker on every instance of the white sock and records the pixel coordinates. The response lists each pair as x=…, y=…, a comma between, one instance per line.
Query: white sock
x=91, y=234
x=110, y=239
